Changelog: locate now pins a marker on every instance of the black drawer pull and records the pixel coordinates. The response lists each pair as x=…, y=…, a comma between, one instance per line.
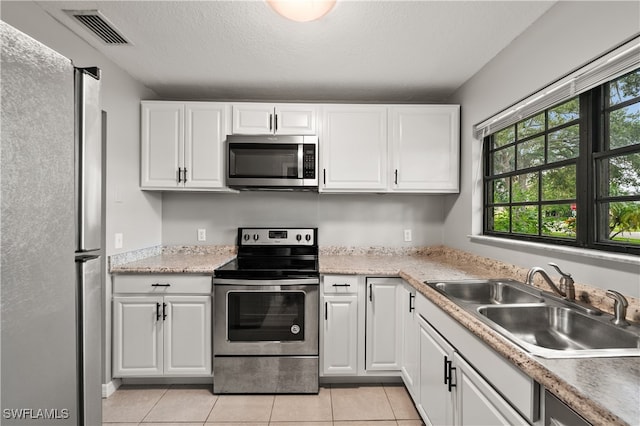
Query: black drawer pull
x=158, y=312
x=160, y=285
x=342, y=285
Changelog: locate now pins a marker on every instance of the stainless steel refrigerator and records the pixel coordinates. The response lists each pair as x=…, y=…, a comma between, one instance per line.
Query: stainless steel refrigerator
x=50, y=236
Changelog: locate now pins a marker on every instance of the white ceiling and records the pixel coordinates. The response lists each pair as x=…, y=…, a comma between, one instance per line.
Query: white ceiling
x=385, y=51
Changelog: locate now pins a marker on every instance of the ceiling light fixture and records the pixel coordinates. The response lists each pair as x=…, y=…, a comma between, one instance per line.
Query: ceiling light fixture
x=302, y=10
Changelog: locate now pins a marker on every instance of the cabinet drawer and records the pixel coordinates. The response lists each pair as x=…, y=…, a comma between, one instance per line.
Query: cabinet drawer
x=162, y=284
x=340, y=284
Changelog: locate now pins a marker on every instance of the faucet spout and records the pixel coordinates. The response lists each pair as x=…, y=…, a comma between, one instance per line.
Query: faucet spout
x=565, y=280
x=538, y=270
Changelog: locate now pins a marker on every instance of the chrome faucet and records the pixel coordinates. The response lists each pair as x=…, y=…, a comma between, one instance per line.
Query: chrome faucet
x=619, y=307
x=566, y=281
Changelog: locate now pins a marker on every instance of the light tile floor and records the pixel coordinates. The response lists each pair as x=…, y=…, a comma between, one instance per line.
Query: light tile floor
x=335, y=405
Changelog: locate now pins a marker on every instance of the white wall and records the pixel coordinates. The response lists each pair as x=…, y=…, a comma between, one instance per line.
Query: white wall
x=569, y=35
x=343, y=219
x=134, y=213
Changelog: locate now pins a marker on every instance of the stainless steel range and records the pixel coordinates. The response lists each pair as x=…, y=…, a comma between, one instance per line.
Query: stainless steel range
x=266, y=314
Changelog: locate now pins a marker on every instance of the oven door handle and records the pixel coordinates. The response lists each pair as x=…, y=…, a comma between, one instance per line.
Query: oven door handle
x=245, y=282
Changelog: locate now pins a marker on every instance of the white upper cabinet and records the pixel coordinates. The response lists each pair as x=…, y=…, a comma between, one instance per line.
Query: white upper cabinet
x=389, y=148
x=182, y=145
x=354, y=148
x=162, y=135
x=279, y=119
x=425, y=148
x=205, y=133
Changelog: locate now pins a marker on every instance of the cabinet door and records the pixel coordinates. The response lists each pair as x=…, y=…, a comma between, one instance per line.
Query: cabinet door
x=295, y=119
x=162, y=141
x=437, y=403
x=354, y=148
x=187, y=335
x=137, y=336
x=382, y=348
x=425, y=148
x=205, y=133
x=339, y=335
x=253, y=119
x=409, y=364
x=478, y=403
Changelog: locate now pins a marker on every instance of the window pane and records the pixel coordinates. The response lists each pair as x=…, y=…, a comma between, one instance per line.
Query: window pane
x=559, y=220
x=564, y=144
x=501, y=190
x=502, y=161
x=530, y=153
x=524, y=187
x=623, y=175
x=525, y=220
x=564, y=113
x=559, y=183
x=499, y=219
x=531, y=126
x=504, y=137
x=625, y=88
x=624, y=126
x=624, y=222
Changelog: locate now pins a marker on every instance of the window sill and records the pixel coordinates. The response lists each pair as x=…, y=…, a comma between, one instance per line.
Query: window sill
x=592, y=254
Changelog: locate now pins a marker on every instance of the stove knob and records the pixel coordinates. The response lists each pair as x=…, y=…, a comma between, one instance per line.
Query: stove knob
x=299, y=237
x=308, y=237
x=255, y=237
x=246, y=237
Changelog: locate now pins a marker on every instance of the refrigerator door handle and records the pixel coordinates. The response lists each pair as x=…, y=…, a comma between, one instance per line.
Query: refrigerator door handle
x=86, y=257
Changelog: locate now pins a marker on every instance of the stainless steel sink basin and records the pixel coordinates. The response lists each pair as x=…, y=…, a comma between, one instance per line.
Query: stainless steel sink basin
x=561, y=332
x=488, y=292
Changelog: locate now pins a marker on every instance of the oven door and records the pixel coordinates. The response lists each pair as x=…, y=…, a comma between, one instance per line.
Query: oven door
x=266, y=317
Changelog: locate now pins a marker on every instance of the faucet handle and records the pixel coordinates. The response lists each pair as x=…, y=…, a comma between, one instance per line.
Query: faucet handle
x=557, y=268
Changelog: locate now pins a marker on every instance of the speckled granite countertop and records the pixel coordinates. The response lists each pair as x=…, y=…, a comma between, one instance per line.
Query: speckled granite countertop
x=603, y=390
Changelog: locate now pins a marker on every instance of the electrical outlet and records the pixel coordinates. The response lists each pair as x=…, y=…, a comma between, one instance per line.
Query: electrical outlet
x=202, y=234
x=407, y=234
x=118, y=241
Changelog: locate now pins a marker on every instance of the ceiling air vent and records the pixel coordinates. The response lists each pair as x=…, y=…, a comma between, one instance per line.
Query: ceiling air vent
x=98, y=25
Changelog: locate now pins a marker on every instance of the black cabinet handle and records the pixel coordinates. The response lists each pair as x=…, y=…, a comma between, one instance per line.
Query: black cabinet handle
x=449, y=369
x=324, y=176
x=370, y=292
x=158, y=312
x=411, y=299
x=184, y=175
x=396, y=178
x=276, y=121
x=164, y=311
x=179, y=174
x=160, y=285
x=270, y=122
x=342, y=285
x=445, y=370
x=326, y=311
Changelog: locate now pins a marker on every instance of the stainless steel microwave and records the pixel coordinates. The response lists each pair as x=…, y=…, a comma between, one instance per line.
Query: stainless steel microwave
x=272, y=162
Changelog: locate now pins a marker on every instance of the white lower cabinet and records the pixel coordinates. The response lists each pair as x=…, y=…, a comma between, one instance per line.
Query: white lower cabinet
x=478, y=403
x=383, y=322
x=340, y=335
x=410, y=349
x=360, y=326
x=436, y=402
x=159, y=332
x=452, y=391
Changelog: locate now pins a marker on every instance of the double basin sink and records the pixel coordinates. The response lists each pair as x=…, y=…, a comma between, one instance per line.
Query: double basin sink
x=541, y=323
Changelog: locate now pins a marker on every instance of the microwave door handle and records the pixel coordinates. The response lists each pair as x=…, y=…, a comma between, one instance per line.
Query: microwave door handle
x=300, y=162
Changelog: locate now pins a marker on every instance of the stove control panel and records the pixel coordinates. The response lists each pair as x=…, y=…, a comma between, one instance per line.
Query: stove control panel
x=277, y=236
